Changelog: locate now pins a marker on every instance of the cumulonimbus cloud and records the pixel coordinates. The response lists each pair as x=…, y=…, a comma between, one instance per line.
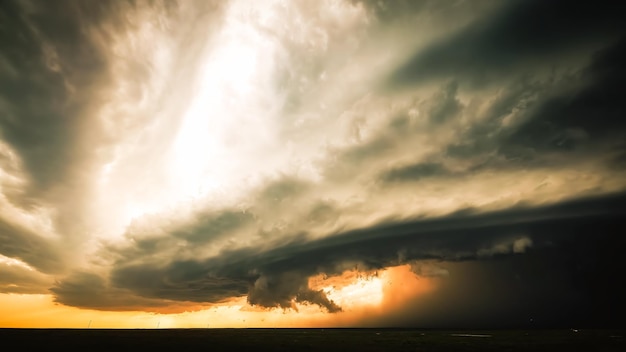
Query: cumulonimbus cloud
x=162, y=154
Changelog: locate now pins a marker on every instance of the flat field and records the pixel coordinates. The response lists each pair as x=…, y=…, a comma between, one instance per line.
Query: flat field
x=311, y=340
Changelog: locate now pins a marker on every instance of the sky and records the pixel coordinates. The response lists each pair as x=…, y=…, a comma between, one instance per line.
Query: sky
x=303, y=163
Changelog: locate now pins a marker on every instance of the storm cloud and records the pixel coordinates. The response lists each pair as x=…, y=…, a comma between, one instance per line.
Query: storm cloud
x=277, y=277
x=168, y=156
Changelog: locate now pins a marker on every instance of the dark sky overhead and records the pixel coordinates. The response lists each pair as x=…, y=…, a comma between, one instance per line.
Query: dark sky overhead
x=441, y=163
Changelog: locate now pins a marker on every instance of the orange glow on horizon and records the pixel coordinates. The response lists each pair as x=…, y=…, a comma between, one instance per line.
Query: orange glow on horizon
x=360, y=294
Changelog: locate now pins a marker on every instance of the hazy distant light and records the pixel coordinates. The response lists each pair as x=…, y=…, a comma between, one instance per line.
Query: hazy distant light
x=363, y=292
x=14, y=262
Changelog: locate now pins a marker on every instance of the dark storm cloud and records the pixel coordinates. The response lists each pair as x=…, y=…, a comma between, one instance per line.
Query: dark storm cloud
x=88, y=290
x=591, y=114
x=531, y=121
x=198, y=233
x=285, y=289
x=573, y=282
x=47, y=61
x=518, y=37
x=212, y=225
x=180, y=280
x=557, y=71
x=414, y=172
x=277, y=277
x=18, y=279
x=20, y=243
x=455, y=237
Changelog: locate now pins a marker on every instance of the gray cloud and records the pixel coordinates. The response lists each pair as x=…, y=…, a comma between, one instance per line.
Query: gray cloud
x=210, y=226
x=445, y=104
x=530, y=122
x=414, y=172
x=285, y=289
x=277, y=277
x=51, y=62
x=181, y=280
x=89, y=290
x=280, y=191
x=587, y=115
x=42, y=254
x=490, y=47
x=555, y=103
x=321, y=213
x=18, y=279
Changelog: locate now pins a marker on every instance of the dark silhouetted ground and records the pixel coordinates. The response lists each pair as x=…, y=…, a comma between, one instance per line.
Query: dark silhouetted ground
x=311, y=340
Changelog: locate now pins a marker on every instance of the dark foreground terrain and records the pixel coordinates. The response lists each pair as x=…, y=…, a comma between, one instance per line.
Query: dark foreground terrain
x=312, y=340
